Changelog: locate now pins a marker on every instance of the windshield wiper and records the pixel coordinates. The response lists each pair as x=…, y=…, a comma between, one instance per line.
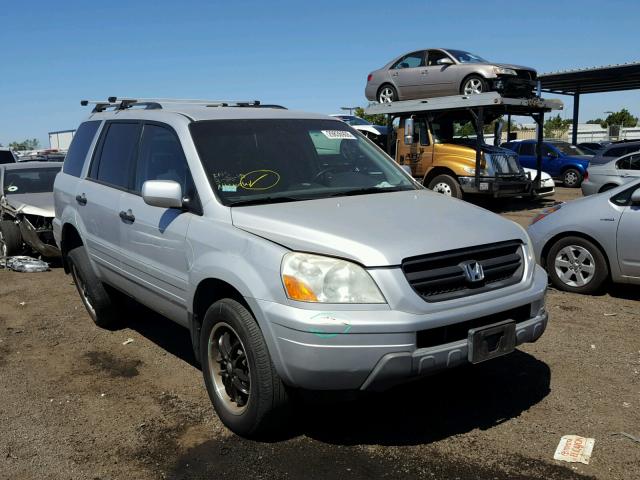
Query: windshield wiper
x=265, y=200
x=368, y=190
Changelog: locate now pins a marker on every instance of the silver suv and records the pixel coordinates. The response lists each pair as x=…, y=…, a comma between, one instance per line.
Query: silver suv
x=294, y=250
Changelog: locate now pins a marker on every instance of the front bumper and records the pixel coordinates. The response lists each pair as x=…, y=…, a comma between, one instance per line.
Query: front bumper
x=496, y=186
x=336, y=350
x=516, y=87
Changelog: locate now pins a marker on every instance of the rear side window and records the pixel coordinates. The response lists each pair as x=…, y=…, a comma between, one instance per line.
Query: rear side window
x=117, y=155
x=74, y=161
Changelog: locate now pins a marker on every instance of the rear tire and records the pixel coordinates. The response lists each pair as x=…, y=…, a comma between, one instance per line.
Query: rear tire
x=99, y=302
x=387, y=94
x=576, y=265
x=571, y=178
x=10, y=239
x=473, y=84
x=243, y=385
x=446, y=185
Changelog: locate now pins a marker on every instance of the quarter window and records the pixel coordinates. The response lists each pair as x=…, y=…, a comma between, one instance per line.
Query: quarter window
x=117, y=155
x=74, y=161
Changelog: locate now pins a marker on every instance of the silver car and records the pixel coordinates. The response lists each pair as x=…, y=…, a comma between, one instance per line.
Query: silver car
x=606, y=176
x=585, y=242
x=288, y=245
x=438, y=72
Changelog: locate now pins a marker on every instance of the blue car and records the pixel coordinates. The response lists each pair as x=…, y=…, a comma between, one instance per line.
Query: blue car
x=559, y=159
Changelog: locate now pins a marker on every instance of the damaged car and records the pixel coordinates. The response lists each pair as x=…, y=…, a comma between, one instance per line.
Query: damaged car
x=26, y=208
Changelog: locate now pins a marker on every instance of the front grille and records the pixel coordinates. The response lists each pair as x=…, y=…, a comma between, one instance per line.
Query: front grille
x=505, y=164
x=440, y=276
x=460, y=331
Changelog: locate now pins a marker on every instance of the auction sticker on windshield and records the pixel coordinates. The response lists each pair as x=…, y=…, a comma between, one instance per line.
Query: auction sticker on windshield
x=338, y=134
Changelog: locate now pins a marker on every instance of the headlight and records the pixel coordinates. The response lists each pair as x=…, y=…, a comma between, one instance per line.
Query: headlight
x=504, y=71
x=472, y=171
x=314, y=278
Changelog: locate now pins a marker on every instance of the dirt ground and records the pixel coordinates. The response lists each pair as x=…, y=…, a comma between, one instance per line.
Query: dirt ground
x=77, y=403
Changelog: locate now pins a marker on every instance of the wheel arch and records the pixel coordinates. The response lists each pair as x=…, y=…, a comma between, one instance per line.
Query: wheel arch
x=472, y=74
x=69, y=239
x=435, y=171
x=545, y=250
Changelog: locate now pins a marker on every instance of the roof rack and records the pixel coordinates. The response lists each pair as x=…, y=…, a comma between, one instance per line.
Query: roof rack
x=116, y=103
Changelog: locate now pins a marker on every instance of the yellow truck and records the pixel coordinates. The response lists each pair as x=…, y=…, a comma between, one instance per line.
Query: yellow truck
x=441, y=141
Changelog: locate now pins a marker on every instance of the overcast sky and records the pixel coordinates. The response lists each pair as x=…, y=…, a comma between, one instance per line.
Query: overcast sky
x=308, y=55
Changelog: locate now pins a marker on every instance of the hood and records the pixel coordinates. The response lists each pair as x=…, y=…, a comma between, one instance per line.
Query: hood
x=484, y=147
x=379, y=229
x=514, y=67
x=32, y=203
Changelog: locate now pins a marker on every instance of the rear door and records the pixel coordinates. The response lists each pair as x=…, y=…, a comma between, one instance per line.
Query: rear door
x=155, y=257
x=627, y=240
x=99, y=195
x=526, y=154
x=629, y=167
x=407, y=73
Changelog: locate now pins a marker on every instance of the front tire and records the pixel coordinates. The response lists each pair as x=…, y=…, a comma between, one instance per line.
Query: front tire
x=571, y=178
x=99, y=302
x=10, y=239
x=387, y=94
x=576, y=265
x=474, y=84
x=447, y=185
x=243, y=385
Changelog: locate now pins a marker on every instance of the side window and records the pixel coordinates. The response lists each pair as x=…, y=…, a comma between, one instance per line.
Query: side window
x=616, y=152
x=117, y=155
x=527, y=149
x=548, y=152
x=420, y=131
x=74, y=161
x=624, y=198
x=412, y=60
x=624, y=163
x=162, y=158
x=434, y=56
x=634, y=162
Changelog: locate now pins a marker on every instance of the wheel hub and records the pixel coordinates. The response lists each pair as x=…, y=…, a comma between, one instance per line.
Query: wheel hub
x=575, y=266
x=443, y=188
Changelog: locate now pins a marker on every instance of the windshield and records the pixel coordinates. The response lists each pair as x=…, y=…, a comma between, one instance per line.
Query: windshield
x=568, y=149
x=264, y=161
x=466, y=57
x=29, y=180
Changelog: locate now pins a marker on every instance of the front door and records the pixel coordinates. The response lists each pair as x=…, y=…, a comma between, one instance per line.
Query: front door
x=156, y=256
x=438, y=79
x=628, y=240
x=419, y=155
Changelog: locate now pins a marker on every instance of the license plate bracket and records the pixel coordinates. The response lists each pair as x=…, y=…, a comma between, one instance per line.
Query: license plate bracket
x=491, y=341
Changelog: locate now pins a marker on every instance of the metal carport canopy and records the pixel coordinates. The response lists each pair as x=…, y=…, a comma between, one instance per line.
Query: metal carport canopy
x=610, y=78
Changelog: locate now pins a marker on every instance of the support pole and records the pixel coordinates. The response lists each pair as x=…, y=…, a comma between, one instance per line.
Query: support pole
x=540, y=134
x=576, y=110
x=479, y=142
x=509, y=127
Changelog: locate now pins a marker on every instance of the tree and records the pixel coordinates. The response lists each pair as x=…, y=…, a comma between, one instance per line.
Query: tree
x=595, y=121
x=29, y=144
x=377, y=119
x=556, y=127
x=623, y=117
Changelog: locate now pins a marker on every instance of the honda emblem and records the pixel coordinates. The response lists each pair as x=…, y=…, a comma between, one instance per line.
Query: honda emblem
x=473, y=271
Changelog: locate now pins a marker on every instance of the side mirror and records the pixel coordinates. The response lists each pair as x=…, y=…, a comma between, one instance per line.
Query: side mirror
x=444, y=61
x=162, y=193
x=635, y=197
x=408, y=131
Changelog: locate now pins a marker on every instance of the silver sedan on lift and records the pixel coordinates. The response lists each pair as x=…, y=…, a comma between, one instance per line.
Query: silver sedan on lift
x=588, y=241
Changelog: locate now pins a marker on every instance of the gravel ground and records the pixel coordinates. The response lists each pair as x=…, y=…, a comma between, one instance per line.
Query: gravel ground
x=75, y=403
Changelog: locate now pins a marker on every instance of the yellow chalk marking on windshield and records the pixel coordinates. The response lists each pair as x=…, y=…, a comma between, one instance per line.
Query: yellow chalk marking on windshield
x=255, y=180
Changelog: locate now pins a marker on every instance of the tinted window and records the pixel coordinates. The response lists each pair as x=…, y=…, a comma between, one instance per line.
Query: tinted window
x=434, y=56
x=161, y=158
x=527, y=149
x=6, y=157
x=624, y=198
x=615, y=152
x=415, y=59
x=466, y=57
x=117, y=154
x=632, y=162
x=79, y=147
x=29, y=180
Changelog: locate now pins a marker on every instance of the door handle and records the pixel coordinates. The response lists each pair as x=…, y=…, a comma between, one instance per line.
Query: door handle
x=81, y=199
x=127, y=216
x=394, y=74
